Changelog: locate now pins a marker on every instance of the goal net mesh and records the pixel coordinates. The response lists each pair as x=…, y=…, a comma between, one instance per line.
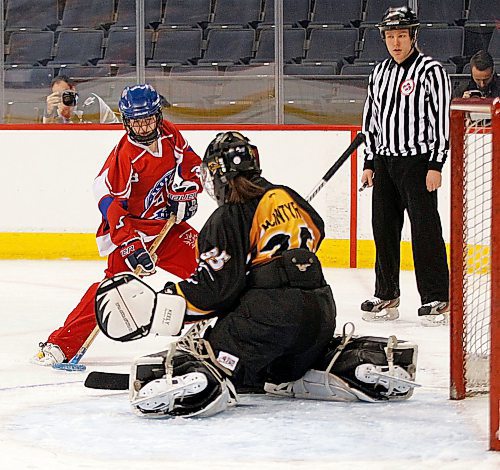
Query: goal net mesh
x=475, y=254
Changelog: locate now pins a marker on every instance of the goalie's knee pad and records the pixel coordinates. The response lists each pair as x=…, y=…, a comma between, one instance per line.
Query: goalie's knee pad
x=181, y=386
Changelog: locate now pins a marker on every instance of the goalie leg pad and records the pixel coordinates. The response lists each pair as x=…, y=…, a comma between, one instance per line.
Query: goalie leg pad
x=318, y=385
x=382, y=368
x=177, y=384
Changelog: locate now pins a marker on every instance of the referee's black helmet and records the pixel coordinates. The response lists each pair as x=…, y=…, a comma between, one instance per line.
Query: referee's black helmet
x=399, y=18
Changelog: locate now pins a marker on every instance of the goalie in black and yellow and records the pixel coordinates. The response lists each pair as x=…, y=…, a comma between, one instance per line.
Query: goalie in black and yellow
x=258, y=274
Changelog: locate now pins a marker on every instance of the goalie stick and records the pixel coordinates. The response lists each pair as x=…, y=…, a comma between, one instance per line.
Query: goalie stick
x=74, y=363
x=119, y=381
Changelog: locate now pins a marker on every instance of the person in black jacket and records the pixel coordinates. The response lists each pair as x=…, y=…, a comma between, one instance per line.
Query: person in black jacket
x=484, y=82
x=259, y=275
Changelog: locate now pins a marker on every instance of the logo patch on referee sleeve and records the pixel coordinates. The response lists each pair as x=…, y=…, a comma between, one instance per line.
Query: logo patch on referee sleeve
x=407, y=87
x=227, y=360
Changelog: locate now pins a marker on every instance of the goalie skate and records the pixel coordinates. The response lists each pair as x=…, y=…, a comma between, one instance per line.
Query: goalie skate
x=397, y=381
x=161, y=395
x=435, y=314
x=375, y=309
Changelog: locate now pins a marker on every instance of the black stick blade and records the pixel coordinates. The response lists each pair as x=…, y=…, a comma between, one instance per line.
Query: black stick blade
x=107, y=381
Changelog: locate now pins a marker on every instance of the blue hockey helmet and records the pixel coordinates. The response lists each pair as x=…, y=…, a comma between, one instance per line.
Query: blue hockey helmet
x=140, y=102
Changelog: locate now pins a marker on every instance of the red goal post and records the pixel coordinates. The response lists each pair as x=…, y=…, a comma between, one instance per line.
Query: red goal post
x=475, y=254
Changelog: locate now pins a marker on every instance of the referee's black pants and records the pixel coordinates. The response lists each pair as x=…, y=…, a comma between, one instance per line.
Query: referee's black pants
x=399, y=185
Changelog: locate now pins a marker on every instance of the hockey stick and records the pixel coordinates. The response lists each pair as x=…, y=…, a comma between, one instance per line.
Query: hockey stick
x=358, y=140
x=74, y=363
x=119, y=381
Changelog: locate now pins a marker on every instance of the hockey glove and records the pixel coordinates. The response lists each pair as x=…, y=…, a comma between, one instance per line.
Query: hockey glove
x=182, y=200
x=135, y=254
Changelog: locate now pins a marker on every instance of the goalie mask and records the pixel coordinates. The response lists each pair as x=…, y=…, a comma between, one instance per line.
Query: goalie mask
x=128, y=309
x=140, y=107
x=230, y=154
x=399, y=18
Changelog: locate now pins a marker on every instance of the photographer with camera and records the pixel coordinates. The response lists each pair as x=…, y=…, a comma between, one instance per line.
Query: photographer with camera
x=484, y=81
x=64, y=105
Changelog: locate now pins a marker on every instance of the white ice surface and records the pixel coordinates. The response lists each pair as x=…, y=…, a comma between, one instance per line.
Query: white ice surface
x=49, y=421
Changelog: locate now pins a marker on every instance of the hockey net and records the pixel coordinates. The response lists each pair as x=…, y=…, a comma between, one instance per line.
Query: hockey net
x=475, y=254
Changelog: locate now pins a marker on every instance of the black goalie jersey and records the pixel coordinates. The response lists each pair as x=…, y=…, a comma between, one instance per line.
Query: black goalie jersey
x=239, y=237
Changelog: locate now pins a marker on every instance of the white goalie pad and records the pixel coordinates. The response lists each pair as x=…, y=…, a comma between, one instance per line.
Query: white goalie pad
x=318, y=385
x=158, y=390
x=128, y=309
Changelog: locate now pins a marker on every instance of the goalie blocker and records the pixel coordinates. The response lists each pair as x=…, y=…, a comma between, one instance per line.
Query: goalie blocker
x=186, y=380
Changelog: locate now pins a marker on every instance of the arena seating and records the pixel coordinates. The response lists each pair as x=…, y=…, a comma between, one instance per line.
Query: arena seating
x=29, y=14
x=95, y=41
x=293, y=41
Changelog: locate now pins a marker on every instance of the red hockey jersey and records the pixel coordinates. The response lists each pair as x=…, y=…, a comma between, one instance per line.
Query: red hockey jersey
x=132, y=187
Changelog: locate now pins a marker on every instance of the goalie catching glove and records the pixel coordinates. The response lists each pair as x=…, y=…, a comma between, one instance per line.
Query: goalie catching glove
x=128, y=309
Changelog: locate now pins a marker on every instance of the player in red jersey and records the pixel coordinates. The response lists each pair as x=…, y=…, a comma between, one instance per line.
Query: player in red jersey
x=149, y=175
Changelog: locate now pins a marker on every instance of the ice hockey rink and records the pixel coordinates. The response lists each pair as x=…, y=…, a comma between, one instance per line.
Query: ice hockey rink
x=49, y=420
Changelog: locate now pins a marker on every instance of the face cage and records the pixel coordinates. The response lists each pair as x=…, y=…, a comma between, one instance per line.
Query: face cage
x=147, y=139
x=213, y=185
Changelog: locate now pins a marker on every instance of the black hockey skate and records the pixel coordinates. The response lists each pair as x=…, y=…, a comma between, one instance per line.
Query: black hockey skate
x=435, y=313
x=376, y=309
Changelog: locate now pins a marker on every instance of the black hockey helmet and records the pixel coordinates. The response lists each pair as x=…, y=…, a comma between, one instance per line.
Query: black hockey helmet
x=399, y=18
x=230, y=154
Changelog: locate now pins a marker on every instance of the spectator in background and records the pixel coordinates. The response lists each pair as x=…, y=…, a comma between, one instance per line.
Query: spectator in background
x=484, y=81
x=64, y=105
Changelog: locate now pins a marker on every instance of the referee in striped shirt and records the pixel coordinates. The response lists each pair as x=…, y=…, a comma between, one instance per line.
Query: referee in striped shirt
x=406, y=124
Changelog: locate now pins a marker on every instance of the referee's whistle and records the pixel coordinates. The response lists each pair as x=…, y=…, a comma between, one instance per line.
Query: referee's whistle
x=365, y=185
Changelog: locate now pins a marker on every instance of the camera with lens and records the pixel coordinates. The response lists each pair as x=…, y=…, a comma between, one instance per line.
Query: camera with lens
x=475, y=94
x=69, y=98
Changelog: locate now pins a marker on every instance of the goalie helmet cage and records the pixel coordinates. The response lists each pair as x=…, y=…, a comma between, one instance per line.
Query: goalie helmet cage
x=475, y=254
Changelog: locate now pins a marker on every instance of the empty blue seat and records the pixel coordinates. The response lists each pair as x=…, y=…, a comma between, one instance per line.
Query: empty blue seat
x=327, y=12
x=30, y=47
x=450, y=12
x=295, y=12
x=375, y=9
x=177, y=46
x=30, y=77
x=442, y=43
x=293, y=42
x=233, y=13
x=358, y=69
x=27, y=14
x=228, y=46
x=186, y=13
x=79, y=72
x=121, y=47
x=373, y=47
x=70, y=50
x=449, y=67
x=331, y=45
x=87, y=14
x=494, y=45
x=483, y=12
x=126, y=13
x=310, y=69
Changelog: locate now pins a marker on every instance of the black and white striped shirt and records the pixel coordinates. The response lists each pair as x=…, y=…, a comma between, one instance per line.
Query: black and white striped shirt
x=407, y=110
